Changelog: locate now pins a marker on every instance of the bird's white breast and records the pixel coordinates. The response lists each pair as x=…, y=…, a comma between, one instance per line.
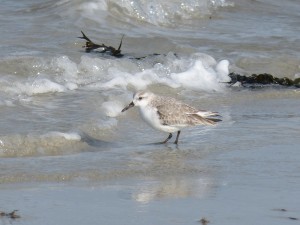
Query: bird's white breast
x=150, y=115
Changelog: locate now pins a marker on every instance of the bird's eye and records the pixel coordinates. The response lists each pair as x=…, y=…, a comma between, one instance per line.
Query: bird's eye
x=140, y=98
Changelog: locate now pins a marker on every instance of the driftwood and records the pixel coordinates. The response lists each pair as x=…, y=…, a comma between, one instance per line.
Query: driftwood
x=90, y=46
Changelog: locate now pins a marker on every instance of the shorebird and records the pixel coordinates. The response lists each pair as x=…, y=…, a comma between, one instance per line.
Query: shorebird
x=168, y=114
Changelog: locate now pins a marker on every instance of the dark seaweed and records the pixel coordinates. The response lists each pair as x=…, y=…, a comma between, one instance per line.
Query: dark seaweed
x=11, y=215
x=90, y=46
x=264, y=79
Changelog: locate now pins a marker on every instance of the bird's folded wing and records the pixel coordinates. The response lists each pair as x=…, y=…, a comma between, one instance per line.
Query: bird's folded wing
x=175, y=114
x=182, y=115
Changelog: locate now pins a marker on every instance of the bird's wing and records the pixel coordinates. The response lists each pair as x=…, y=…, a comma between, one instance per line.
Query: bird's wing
x=180, y=114
x=174, y=114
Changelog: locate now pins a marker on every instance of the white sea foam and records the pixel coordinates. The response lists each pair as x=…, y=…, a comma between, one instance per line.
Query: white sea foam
x=199, y=78
x=41, y=86
x=41, y=76
x=297, y=75
x=200, y=72
x=196, y=72
x=66, y=67
x=72, y=136
x=139, y=80
x=112, y=108
x=223, y=71
x=93, y=9
x=33, y=87
x=93, y=6
x=71, y=86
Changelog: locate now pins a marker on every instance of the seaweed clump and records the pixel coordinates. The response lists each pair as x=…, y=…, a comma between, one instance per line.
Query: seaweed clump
x=256, y=80
x=90, y=46
x=11, y=215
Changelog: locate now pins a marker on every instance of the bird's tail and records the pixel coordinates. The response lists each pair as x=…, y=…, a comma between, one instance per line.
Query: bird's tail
x=206, y=117
x=206, y=114
x=214, y=120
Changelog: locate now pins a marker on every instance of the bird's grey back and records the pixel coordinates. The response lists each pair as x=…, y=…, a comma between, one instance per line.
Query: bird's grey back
x=174, y=112
x=168, y=104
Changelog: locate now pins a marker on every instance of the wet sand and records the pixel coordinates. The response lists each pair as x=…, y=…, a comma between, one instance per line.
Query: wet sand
x=249, y=186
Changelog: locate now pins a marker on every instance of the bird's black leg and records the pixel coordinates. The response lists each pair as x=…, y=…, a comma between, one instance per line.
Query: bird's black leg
x=177, y=137
x=168, y=138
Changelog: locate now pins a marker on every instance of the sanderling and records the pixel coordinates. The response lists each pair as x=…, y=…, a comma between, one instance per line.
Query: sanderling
x=168, y=114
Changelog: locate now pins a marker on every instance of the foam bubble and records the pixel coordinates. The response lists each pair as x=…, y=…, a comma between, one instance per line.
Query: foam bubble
x=197, y=78
x=138, y=80
x=65, y=67
x=68, y=136
x=223, y=71
x=92, y=9
x=112, y=108
x=71, y=86
x=41, y=86
x=297, y=75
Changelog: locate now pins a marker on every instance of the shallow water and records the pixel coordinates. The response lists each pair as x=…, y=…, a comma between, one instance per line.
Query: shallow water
x=62, y=132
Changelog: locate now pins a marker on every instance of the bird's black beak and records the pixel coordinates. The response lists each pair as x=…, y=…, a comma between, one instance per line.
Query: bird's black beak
x=128, y=107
